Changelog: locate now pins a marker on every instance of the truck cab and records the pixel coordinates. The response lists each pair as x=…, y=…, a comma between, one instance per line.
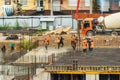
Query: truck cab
x=88, y=26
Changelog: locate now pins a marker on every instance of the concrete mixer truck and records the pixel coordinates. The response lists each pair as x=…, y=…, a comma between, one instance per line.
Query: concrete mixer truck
x=97, y=23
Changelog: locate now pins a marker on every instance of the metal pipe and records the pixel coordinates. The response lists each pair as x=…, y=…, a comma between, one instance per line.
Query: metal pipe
x=91, y=6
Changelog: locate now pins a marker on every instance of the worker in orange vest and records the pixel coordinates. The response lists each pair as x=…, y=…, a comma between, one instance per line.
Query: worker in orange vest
x=91, y=45
x=84, y=45
x=46, y=43
x=57, y=40
x=48, y=38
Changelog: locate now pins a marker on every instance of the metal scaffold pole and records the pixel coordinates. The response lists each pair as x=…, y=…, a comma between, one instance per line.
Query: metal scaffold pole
x=51, y=12
x=77, y=9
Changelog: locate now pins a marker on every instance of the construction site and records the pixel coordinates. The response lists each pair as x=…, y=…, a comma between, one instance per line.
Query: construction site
x=64, y=63
x=103, y=63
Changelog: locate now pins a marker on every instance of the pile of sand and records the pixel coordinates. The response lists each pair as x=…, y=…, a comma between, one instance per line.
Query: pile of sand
x=60, y=30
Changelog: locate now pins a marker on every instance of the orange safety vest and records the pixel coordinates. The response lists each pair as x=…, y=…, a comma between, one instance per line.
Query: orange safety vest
x=92, y=44
x=57, y=39
x=45, y=41
x=48, y=38
x=84, y=44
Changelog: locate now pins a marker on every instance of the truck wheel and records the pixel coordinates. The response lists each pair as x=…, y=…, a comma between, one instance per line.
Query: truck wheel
x=114, y=33
x=90, y=33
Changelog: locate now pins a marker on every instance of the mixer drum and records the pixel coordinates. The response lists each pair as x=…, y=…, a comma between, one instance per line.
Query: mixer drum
x=112, y=21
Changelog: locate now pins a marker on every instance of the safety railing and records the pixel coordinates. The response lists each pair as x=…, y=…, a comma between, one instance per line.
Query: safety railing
x=67, y=68
x=99, y=68
x=59, y=68
x=107, y=41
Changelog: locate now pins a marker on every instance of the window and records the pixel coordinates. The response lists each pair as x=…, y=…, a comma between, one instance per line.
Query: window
x=40, y=3
x=86, y=24
x=87, y=2
x=119, y=3
x=23, y=2
x=116, y=0
x=72, y=2
x=7, y=2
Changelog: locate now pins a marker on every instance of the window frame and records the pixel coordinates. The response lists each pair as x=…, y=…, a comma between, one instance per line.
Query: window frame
x=5, y=1
x=39, y=3
x=21, y=2
x=70, y=3
x=87, y=3
x=119, y=3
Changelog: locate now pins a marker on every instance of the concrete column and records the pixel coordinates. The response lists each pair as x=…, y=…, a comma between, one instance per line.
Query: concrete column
x=42, y=75
x=1, y=77
x=92, y=77
x=91, y=6
x=51, y=13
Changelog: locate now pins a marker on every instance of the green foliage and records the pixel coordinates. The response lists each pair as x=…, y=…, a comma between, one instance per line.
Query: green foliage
x=27, y=44
x=6, y=26
x=96, y=6
x=17, y=25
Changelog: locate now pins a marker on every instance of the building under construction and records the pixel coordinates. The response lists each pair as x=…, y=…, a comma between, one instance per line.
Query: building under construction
x=101, y=64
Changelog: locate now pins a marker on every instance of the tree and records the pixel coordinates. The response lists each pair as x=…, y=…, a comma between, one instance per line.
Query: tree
x=18, y=7
x=96, y=6
x=27, y=45
x=17, y=25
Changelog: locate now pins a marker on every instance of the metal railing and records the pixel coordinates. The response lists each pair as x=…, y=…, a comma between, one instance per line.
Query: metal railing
x=67, y=68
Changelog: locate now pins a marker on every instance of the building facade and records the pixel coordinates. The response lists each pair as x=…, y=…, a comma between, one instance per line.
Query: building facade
x=61, y=7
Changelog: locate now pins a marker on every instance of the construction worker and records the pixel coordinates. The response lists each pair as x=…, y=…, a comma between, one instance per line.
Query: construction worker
x=3, y=49
x=84, y=45
x=57, y=40
x=91, y=45
x=46, y=43
x=73, y=41
x=12, y=46
x=61, y=41
x=48, y=38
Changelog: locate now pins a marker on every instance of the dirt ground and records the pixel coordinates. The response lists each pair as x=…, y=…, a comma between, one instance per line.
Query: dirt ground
x=98, y=40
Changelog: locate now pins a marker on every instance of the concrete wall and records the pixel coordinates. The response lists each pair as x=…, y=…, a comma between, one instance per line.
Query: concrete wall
x=41, y=75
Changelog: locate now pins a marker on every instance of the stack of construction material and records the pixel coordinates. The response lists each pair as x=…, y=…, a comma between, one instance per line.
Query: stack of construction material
x=60, y=30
